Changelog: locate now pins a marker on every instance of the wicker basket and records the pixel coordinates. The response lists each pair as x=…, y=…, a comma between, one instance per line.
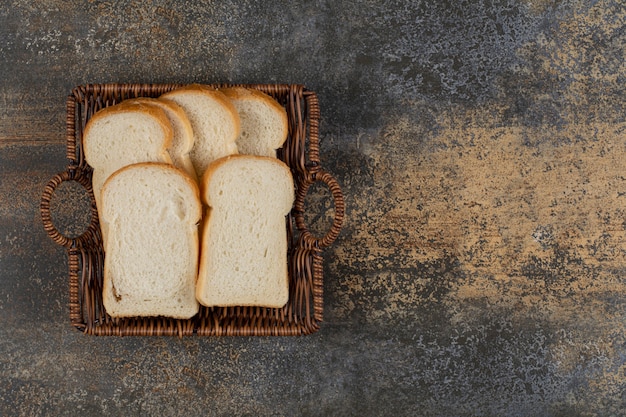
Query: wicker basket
x=304, y=311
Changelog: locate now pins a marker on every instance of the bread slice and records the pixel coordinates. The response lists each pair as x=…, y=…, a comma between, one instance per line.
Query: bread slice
x=214, y=120
x=182, y=139
x=244, y=241
x=151, y=211
x=263, y=121
x=124, y=134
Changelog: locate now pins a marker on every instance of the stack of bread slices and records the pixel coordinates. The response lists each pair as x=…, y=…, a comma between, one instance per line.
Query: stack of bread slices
x=192, y=201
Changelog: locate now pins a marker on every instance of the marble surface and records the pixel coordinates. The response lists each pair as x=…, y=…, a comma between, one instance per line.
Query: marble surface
x=480, y=147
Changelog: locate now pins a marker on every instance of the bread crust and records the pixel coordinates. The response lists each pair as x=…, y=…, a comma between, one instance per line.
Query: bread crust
x=243, y=93
x=213, y=92
x=162, y=103
x=215, y=165
x=217, y=97
x=251, y=94
x=181, y=158
x=130, y=106
x=165, y=166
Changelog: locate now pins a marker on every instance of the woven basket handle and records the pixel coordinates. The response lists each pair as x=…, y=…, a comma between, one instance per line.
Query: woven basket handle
x=335, y=190
x=48, y=225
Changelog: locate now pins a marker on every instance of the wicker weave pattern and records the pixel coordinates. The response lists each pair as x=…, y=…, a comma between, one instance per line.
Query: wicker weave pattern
x=304, y=311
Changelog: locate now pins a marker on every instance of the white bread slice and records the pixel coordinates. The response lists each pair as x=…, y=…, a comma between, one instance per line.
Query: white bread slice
x=214, y=120
x=263, y=121
x=182, y=140
x=151, y=262
x=124, y=134
x=243, y=258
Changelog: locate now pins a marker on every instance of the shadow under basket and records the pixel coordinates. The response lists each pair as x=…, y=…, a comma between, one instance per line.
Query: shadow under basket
x=303, y=312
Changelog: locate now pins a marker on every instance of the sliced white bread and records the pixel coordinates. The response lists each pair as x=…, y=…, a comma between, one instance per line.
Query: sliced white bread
x=243, y=258
x=182, y=140
x=214, y=120
x=124, y=134
x=263, y=121
x=151, y=211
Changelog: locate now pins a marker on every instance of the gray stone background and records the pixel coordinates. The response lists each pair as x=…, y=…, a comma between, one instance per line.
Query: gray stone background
x=480, y=147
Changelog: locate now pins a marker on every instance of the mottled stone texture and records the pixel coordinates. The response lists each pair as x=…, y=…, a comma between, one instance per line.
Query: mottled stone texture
x=480, y=147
